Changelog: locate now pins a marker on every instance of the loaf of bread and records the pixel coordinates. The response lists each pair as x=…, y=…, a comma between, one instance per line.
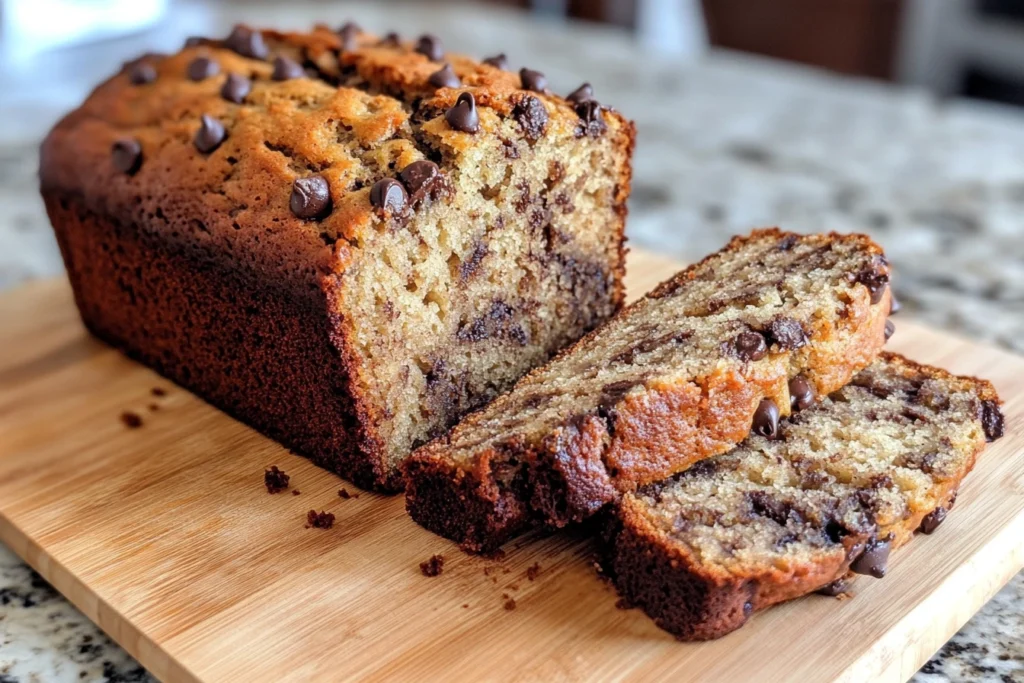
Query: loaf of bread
x=347, y=241
x=845, y=481
x=681, y=375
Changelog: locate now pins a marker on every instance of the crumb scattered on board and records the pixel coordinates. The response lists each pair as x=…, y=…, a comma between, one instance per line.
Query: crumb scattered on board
x=510, y=604
x=533, y=571
x=153, y=407
x=319, y=520
x=433, y=567
x=296, y=492
x=276, y=480
x=131, y=420
x=343, y=493
x=158, y=391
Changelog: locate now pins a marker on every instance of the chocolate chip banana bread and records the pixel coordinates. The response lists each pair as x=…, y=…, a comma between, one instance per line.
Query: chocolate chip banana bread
x=843, y=483
x=345, y=240
x=683, y=374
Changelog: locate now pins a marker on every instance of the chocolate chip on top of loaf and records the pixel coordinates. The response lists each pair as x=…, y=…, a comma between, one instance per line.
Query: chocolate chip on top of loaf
x=847, y=481
x=727, y=346
x=346, y=240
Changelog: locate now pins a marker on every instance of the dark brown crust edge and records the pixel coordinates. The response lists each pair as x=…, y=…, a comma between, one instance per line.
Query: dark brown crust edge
x=692, y=604
x=258, y=353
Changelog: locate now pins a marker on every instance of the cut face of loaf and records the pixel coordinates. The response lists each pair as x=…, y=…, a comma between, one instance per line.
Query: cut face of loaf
x=846, y=481
x=335, y=236
x=681, y=375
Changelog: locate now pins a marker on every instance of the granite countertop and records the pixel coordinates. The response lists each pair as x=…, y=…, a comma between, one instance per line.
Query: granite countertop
x=725, y=143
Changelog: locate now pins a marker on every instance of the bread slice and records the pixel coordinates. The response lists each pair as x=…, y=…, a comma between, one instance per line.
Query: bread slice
x=678, y=376
x=336, y=237
x=846, y=481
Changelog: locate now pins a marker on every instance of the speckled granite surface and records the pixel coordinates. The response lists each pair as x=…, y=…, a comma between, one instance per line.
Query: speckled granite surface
x=724, y=145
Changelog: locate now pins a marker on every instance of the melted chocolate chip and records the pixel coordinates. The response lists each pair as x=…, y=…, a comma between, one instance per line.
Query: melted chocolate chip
x=895, y=305
x=388, y=194
x=195, y=41
x=766, y=419
x=801, y=393
x=202, y=68
x=992, y=420
x=127, y=155
x=890, y=329
x=430, y=46
x=932, y=520
x=247, y=43
x=874, y=559
x=392, y=39
x=499, y=61
x=420, y=177
x=141, y=73
x=463, y=116
x=787, y=334
x=531, y=114
x=876, y=281
x=286, y=69
x=444, y=77
x=210, y=134
x=533, y=80
x=591, y=118
x=750, y=346
x=311, y=197
x=837, y=587
x=584, y=93
x=235, y=88
x=611, y=395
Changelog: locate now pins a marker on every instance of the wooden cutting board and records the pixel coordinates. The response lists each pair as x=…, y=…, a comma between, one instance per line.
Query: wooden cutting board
x=165, y=536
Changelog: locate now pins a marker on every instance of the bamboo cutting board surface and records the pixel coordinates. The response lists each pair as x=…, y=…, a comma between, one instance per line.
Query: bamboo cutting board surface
x=165, y=536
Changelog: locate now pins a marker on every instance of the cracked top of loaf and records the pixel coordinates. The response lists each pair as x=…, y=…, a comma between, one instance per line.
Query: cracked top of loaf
x=277, y=140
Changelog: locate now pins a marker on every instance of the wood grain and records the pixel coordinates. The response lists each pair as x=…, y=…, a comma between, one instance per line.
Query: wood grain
x=165, y=536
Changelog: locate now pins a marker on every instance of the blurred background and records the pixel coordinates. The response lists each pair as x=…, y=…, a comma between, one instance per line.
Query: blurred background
x=900, y=118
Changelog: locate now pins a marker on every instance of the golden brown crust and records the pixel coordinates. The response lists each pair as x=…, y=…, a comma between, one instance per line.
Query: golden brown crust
x=700, y=600
x=670, y=423
x=362, y=114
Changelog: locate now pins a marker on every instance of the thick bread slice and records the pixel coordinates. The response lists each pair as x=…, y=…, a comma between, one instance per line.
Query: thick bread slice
x=846, y=481
x=675, y=378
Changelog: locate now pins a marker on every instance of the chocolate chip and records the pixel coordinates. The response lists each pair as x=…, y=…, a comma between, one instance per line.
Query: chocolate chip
x=895, y=305
x=874, y=559
x=348, y=33
x=141, y=73
x=235, y=88
x=286, y=69
x=876, y=281
x=463, y=116
x=840, y=585
x=202, y=68
x=247, y=43
x=750, y=346
x=932, y=520
x=591, y=118
x=992, y=420
x=766, y=419
x=420, y=177
x=584, y=93
x=533, y=80
x=890, y=329
x=392, y=39
x=787, y=334
x=388, y=194
x=801, y=393
x=195, y=41
x=444, y=77
x=311, y=197
x=430, y=47
x=210, y=134
x=499, y=61
x=127, y=155
x=531, y=114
